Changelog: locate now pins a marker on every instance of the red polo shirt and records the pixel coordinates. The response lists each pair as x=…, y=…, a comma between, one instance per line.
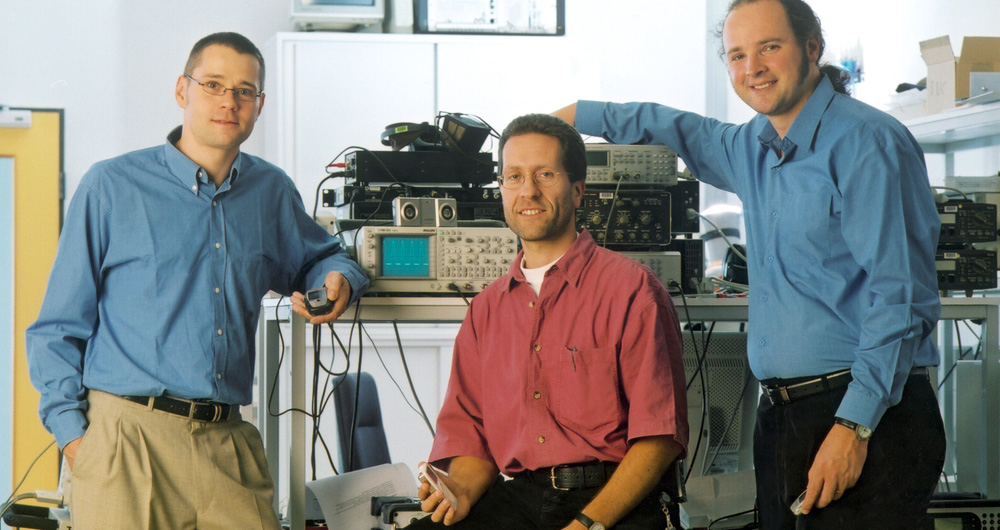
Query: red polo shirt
x=572, y=375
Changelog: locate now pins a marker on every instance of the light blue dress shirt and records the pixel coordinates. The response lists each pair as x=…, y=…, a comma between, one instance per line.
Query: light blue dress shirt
x=157, y=283
x=841, y=234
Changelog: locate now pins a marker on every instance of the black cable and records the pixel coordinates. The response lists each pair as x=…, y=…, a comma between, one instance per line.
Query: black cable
x=732, y=516
x=277, y=369
x=386, y=368
x=961, y=353
x=354, y=415
x=402, y=356
x=454, y=287
x=611, y=212
x=317, y=338
x=347, y=357
x=704, y=393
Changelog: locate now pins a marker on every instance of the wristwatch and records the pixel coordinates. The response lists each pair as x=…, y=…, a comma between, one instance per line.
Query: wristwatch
x=863, y=433
x=589, y=523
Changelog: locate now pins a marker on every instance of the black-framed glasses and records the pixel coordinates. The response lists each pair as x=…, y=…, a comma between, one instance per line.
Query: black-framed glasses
x=515, y=179
x=216, y=88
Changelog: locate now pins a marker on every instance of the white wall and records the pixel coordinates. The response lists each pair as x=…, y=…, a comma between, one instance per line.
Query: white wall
x=112, y=65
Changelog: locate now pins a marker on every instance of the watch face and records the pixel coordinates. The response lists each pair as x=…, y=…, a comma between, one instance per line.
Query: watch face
x=597, y=526
x=863, y=432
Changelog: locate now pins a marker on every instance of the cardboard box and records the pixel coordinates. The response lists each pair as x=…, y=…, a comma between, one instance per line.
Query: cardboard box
x=948, y=76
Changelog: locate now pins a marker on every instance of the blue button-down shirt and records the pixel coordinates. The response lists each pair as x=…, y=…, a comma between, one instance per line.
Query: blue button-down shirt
x=841, y=235
x=158, y=279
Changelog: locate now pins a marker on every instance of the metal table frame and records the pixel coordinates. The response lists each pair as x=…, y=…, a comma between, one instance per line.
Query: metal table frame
x=441, y=310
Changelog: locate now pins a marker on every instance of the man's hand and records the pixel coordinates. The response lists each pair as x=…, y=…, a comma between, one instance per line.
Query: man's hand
x=836, y=468
x=69, y=452
x=468, y=479
x=338, y=289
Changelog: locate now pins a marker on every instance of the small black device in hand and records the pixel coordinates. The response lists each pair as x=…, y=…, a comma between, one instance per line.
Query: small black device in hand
x=317, y=303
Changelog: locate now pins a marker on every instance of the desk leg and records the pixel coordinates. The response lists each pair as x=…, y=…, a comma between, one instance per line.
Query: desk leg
x=267, y=365
x=991, y=401
x=297, y=469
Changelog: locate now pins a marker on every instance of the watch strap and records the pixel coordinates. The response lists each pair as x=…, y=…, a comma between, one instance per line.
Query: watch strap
x=584, y=520
x=863, y=433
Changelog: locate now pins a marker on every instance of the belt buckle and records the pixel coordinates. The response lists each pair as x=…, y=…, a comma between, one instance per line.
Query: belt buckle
x=216, y=412
x=552, y=477
x=777, y=395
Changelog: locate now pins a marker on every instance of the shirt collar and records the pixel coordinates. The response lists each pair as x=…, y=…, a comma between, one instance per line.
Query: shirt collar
x=570, y=266
x=189, y=173
x=803, y=129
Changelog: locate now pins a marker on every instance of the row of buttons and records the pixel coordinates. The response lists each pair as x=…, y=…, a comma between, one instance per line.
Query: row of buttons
x=475, y=272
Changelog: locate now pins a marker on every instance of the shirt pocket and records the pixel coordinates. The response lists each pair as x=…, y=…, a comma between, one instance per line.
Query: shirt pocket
x=803, y=232
x=587, y=396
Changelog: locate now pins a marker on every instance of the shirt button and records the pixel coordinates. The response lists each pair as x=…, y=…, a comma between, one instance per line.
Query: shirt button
x=764, y=298
x=541, y=439
x=770, y=258
x=216, y=290
x=219, y=332
x=537, y=395
x=218, y=376
x=761, y=342
x=531, y=304
x=194, y=188
x=218, y=245
x=774, y=213
x=214, y=203
x=538, y=347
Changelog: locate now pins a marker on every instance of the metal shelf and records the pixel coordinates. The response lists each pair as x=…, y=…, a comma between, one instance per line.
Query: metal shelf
x=969, y=127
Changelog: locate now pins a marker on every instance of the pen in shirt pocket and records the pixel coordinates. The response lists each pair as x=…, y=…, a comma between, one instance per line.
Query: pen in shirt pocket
x=572, y=356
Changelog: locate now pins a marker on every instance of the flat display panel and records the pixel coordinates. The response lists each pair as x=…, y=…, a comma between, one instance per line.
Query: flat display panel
x=496, y=17
x=406, y=257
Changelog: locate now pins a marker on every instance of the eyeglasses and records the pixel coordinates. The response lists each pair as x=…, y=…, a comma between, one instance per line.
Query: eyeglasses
x=543, y=178
x=216, y=88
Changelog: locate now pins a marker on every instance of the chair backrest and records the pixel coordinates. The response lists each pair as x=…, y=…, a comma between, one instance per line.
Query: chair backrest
x=369, y=445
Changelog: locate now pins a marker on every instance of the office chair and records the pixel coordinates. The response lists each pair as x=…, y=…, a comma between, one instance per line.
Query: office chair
x=370, y=446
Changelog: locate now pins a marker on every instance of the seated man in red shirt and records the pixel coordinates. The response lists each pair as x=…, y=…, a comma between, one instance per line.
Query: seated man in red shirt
x=567, y=373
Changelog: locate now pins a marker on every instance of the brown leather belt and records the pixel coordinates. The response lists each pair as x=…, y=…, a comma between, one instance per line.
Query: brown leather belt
x=783, y=395
x=572, y=476
x=209, y=411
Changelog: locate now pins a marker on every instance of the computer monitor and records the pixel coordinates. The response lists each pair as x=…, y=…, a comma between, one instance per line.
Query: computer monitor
x=726, y=428
x=337, y=14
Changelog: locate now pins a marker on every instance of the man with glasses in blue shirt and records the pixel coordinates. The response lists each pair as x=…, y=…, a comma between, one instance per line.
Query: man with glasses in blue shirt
x=144, y=347
x=841, y=238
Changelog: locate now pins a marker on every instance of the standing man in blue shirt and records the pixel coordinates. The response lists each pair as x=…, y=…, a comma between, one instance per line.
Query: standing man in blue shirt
x=841, y=234
x=144, y=347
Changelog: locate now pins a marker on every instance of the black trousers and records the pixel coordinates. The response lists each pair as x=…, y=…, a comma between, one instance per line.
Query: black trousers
x=905, y=459
x=519, y=503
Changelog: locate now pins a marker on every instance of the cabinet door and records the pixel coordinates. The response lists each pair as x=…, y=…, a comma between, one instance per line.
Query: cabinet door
x=343, y=94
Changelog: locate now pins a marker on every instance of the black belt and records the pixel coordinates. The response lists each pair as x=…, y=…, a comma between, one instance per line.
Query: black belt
x=572, y=476
x=209, y=411
x=785, y=394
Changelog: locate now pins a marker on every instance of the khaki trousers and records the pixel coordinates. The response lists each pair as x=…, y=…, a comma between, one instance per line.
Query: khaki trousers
x=141, y=468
